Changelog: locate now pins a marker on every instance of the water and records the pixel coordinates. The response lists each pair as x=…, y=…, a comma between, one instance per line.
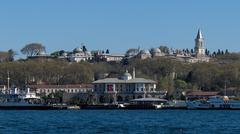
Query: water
x=120, y=121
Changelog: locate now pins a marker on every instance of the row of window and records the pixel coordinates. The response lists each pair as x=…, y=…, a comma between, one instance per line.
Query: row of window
x=127, y=90
x=65, y=90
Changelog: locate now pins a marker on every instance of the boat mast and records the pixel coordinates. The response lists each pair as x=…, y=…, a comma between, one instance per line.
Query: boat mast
x=8, y=82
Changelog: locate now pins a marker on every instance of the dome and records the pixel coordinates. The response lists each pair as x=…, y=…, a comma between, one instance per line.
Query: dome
x=156, y=50
x=64, y=54
x=78, y=49
x=145, y=52
x=126, y=76
x=42, y=53
x=132, y=52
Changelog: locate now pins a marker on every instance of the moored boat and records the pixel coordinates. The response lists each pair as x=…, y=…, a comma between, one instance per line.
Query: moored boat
x=214, y=102
x=13, y=99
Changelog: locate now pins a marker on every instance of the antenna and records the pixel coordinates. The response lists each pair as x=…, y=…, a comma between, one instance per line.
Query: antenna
x=8, y=81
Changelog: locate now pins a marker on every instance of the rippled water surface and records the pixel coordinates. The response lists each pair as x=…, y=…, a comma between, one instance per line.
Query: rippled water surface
x=120, y=121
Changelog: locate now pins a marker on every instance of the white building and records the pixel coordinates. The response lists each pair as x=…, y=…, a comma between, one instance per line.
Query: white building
x=199, y=52
x=48, y=89
x=144, y=54
x=112, y=57
x=199, y=45
x=79, y=55
x=156, y=52
x=124, y=88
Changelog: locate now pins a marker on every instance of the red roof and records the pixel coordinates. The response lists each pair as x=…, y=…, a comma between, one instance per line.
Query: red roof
x=202, y=93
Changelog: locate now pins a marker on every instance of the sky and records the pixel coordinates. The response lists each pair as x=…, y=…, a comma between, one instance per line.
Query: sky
x=119, y=24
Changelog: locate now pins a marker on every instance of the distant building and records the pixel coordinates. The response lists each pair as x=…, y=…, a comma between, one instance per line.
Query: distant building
x=106, y=56
x=156, y=52
x=199, y=45
x=132, y=52
x=48, y=89
x=144, y=54
x=124, y=89
x=79, y=55
x=2, y=88
x=112, y=57
x=192, y=95
x=199, y=52
x=42, y=56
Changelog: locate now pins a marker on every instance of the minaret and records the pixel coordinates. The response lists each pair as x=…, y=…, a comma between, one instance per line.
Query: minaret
x=134, y=74
x=199, y=44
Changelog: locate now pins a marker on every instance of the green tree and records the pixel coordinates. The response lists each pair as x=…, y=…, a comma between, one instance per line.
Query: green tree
x=180, y=84
x=11, y=55
x=33, y=49
x=164, y=49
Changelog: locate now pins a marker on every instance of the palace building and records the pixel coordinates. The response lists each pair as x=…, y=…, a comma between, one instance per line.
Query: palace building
x=124, y=89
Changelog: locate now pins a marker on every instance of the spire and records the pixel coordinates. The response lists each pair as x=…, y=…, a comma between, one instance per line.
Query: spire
x=199, y=34
x=134, y=74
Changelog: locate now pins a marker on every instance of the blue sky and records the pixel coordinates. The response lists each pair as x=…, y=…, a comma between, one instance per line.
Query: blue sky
x=119, y=25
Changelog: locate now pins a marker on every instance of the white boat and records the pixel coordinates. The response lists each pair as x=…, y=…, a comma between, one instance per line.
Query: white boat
x=14, y=99
x=178, y=104
x=198, y=104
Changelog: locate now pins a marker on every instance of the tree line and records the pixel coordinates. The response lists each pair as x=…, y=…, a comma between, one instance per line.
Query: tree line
x=170, y=74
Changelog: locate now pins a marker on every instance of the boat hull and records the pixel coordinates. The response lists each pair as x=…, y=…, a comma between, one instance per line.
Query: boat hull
x=27, y=108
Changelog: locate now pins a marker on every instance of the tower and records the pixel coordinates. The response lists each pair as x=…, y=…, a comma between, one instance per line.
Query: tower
x=199, y=44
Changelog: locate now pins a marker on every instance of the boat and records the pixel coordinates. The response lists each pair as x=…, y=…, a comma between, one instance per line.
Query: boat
x=175, y=104
x=22, y=101
x=16, y=99
x=145, y=103
x=198, y=104
x=99, y=106
x=214, y=102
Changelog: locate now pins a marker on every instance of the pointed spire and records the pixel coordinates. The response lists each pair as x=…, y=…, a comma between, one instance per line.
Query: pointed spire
x=199, y=34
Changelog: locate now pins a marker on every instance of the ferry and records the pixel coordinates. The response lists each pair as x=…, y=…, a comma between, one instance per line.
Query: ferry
x=214, y=102
x=16, y=100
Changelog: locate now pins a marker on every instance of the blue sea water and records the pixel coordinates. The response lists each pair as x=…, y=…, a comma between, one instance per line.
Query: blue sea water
x=120, y=121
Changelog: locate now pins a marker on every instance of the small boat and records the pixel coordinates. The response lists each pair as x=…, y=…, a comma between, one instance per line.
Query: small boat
x=145, y=103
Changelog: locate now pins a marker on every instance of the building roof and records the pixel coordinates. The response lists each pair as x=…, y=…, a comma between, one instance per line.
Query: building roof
x=202, y=93
x=149, y=99
x=62, y=86
x=117, y=80
x=144, y=51
x=199, y=34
